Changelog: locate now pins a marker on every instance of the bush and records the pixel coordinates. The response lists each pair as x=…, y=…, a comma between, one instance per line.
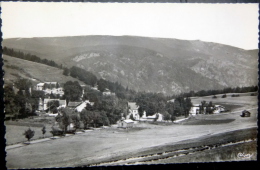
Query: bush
x=235, y=95
x=214, y=97
x=224, y=96
x=173, y=118
x=43, y=131
x=29, y=134
x=56, y=132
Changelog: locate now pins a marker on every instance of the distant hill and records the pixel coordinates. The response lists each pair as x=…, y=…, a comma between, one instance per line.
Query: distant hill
x=146, y=64
x=16, y=68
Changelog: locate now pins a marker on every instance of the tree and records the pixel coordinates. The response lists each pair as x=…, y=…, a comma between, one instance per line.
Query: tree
x=66, y=71
x=132, y=117
x=53, y=105
x=65, y=119
x=85, y=117
x=43, y=131
x=72, y=91
x=12, y=107
x=173, y=118
x=166, y=116
x=28, y=134
x=187, y=106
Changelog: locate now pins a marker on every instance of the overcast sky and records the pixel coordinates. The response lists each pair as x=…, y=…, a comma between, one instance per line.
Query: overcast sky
x=231, y=24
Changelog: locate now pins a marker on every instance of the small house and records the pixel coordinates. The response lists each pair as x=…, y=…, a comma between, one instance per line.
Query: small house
x=218, y=109
x=245, y=113
x=128, y=123
x=158, y=115
x=195, y=109
x=39, y=86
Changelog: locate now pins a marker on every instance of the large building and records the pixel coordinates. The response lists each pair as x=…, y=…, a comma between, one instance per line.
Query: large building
x=50, y=88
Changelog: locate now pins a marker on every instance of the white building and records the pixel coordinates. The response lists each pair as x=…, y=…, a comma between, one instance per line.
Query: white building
x=128, y=123
x=39, y=86
x=81, y=106
x=218, y=109
x=44, y=105
x=195, y=109
x=50, y=87
x=151, y=118
x=133, y=110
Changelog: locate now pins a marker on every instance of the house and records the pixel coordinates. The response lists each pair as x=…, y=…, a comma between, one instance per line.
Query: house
x=39, y=86
x=218, y=109
x=73, y=104
x=128, y=123
x=133, y=110
x=95, y=87
x=50, y=88
x=159, y=119
x=44, y=105
x=81, y=106
x=107, y=92
x=245, y=113
x=195, y=109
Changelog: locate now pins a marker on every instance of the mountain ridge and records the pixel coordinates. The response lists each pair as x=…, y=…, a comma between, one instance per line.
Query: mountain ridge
x=149, y=64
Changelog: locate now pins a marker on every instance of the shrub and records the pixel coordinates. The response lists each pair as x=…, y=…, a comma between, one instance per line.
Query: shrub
x=214, y=97
x=43, y=131
x=173, y=118
x=56, y=132
x=29, y=134
x=224, y=96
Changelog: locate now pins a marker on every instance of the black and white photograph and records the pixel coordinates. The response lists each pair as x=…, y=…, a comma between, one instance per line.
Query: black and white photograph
x=114, y=84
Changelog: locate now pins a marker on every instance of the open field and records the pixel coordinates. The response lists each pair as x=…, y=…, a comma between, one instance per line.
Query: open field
x=243, y=102
x=105, y=145
x=15, y=133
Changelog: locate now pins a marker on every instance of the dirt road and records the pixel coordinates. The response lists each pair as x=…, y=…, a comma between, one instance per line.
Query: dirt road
x=106, y=144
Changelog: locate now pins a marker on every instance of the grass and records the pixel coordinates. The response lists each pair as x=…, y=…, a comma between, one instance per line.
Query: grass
x=15, y=133
x=207, y=122
x=34, y=71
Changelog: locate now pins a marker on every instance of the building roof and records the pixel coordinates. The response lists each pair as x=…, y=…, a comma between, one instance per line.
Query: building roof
x=50, y=82
x=74, y=104
x=133, y=105
x=128, y=121
x=62, y=102
x=40, y=84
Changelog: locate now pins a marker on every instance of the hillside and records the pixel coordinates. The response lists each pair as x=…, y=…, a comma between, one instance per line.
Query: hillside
x=16, y=68
x=149, y=64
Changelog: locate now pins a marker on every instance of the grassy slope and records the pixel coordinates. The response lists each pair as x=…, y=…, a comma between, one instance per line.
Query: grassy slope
x=38, y=72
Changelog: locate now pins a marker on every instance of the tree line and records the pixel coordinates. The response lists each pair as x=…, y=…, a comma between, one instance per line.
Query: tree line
x=22, y=103
x=215, y=92
x=30, y=57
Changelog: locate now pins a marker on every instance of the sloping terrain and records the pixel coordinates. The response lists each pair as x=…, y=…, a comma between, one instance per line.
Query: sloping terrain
x=16, y=68
x=149, y=64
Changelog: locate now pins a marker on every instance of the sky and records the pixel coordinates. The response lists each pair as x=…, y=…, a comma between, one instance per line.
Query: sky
x=230, y=24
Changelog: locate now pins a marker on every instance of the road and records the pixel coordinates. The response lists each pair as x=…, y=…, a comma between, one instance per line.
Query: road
x=102, y=145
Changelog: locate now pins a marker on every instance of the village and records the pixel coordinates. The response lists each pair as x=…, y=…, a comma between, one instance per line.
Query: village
x=47, y=106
